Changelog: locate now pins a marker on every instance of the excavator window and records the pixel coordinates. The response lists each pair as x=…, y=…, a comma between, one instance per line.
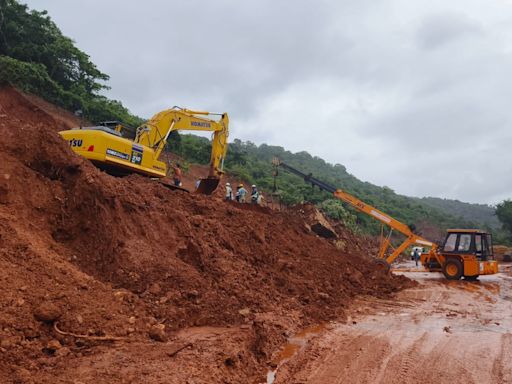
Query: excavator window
x=449, y=244
x=460, y=243
x=487, y=247
x=464, y=242
x=478, y=245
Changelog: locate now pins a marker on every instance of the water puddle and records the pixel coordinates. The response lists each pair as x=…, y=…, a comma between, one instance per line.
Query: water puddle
x=294, y=345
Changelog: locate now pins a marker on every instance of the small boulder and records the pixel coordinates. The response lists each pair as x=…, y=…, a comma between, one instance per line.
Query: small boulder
x=47, y=312
x=53, y=345
x=155, y=289
x=323, y=295
x=8, y=342
x=64, y=351
x=192, y=294
x=157, y=333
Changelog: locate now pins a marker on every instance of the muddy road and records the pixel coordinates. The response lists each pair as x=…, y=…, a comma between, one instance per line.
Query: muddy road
x=438, y=332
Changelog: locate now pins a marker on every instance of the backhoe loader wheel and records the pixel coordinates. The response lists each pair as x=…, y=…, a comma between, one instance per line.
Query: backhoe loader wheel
x=453, y=269
x=382, y=265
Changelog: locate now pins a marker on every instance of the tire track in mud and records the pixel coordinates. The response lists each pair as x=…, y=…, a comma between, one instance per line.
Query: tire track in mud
x=502, y=372
x=348, y=357
x=402, y=363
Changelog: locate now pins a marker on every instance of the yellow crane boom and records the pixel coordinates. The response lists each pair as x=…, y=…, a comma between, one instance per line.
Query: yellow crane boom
x=384, y=255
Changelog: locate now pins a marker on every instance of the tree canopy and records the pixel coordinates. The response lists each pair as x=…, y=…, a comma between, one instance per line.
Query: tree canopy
x=504, y=213
x=36, y=57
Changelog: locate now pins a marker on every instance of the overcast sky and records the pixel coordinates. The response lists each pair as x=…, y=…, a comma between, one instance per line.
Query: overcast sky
x=414, y=95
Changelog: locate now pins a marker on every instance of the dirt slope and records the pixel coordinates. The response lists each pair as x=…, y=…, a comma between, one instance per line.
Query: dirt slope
x=103, y=256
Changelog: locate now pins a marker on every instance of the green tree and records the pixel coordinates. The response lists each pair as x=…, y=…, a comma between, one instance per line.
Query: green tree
x=504, y=213
x=36, y=57
x=32, y=37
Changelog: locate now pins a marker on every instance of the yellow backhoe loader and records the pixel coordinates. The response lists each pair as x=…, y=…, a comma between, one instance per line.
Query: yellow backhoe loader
x=465, y=253
x=117, y=155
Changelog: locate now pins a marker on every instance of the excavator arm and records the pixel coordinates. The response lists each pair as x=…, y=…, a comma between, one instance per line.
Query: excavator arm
x=384, y=255
x=154, y=132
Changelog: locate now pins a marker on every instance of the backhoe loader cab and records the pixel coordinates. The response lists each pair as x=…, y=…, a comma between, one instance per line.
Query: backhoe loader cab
x=465, y=253
x=468, y=242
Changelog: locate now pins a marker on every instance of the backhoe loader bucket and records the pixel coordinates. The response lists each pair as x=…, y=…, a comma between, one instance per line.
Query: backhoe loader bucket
x=208, y=185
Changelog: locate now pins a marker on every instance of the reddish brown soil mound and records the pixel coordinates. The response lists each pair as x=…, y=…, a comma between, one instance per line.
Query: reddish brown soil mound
x=103, y=256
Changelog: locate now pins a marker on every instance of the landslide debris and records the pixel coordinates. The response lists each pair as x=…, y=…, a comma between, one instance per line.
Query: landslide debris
x=126, y=258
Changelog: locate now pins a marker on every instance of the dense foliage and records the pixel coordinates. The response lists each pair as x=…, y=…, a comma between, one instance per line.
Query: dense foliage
x=504, y=213
x=480, y=213
x=36, y=57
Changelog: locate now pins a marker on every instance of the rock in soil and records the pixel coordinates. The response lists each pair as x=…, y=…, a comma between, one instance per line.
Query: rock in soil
x=157, y=333
x=47, y=312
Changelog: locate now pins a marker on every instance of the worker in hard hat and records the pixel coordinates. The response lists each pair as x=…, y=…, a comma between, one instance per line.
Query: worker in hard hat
x=241, y=193
x=254, y=194
x=229, y=192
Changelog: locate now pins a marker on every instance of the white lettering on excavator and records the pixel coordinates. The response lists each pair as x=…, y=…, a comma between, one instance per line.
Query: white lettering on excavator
x=200, y=124
x=380, y=216
x=121, y=155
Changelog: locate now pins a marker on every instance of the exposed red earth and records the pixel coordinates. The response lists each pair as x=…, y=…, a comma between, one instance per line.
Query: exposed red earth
x=121, y=280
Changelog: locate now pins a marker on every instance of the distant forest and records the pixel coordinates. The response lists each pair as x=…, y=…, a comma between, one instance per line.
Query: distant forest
x=479, y=213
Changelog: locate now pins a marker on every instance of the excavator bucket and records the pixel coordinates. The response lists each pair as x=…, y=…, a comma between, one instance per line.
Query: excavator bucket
x=208, y=185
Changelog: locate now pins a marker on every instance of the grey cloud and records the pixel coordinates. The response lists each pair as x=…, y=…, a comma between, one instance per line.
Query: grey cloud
x=442, y=28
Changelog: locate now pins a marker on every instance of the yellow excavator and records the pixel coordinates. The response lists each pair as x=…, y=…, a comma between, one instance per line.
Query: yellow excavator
x=108, y=150
x=465, y=252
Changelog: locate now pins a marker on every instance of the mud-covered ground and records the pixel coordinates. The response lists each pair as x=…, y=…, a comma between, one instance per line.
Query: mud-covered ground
x=452, y=332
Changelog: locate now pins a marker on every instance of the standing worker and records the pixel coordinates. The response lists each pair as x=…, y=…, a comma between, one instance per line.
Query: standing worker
x=177, y=175
x=237, y=197
x=261, y=199
x=229, y=192
x=254, y=194
x=241, y=193
x=416, y=255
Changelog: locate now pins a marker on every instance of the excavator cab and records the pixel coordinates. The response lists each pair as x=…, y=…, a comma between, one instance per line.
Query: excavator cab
x=467, y=253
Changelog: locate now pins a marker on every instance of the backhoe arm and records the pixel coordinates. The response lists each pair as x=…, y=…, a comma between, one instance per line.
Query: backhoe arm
x=411, y=237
